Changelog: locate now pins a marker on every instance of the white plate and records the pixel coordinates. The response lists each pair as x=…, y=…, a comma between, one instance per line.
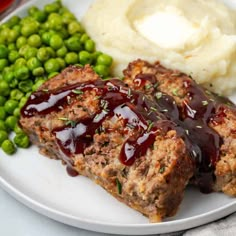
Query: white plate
x=43, y=185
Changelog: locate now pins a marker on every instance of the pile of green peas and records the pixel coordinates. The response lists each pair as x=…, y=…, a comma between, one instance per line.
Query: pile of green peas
x=32, y=50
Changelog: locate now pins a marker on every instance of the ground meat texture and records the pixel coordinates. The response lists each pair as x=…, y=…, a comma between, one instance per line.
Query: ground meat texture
x=217, y=114
x=151, y=179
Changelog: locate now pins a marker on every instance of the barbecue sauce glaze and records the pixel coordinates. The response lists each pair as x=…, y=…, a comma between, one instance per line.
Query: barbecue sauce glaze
x=147, y=117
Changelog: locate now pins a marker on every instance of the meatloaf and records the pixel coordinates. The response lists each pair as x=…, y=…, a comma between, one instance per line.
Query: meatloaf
x=105, y=131
x=208, y=119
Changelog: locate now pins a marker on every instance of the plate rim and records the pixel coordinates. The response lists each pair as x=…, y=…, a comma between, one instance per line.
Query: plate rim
x=117, y=228
x=101, y=226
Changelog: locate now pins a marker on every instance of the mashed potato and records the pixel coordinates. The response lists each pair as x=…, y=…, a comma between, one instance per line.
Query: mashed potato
x=197, y=37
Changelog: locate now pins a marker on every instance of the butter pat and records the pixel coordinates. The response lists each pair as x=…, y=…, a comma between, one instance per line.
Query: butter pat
x=165, y=29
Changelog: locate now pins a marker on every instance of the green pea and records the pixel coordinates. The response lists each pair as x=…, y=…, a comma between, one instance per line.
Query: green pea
x=85, y=57
x=104, y=59
x=102, y=70
x=28, y=94
x=13, y=83
x=13, y=56
x=2, y=113
x=56, y=42
x=27, y=20
x=3, y=51
x=16, y=112
x=8, y=147
x=63, y=33
x=13, y=21
x=30, y=52
x=89, y=45
x=2, y=100
x=20, y=62
x=3, y=63
x=53, y=7
x=32, y=10
x=29, y=28
x=17, y=28
x=40, y=16
x=8, y=76
x=11, y=46
x=33, y=63
x=10, y=105
x=22, y=102
x=39, y=71
x=43, y=54
x=4, y=34
x=4, y=88
x=61, y=52
x=3, y=126
x=38, y=84
x=67, y=17
x=51, y=51
x=11, y=122
x=35, y=41
x=21, y=140
x=3, y=136
x=71, y=58
x=52, y=65
x=46, y=36
x=61, y=62
x=23, y=50
x=25, y=86
x=18, y=130
x=12, y=36
x=84, y=38
x=22, y=73
x=21, y=41
x=55, y=23
x=73, y=44
x=52, y=75
x=16, y=94
x=74, y=27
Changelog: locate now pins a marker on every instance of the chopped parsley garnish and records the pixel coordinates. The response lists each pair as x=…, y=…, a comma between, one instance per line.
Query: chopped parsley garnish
x=72, y=123
x=199, y=126
x=158, y=95
x=77, y=91
x=204, y=103
x=148, y=86
x=119, y=186
x=175, y=92
x=162, y=170
x=150, y=125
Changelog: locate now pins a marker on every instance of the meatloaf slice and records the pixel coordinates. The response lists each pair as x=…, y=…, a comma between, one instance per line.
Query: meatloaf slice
x=211, y=118
x=101, y=129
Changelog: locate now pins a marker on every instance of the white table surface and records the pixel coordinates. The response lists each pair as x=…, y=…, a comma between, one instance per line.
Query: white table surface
x=18, y=220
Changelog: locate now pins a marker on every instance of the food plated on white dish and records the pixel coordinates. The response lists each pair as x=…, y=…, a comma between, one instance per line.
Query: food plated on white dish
x=42, y=184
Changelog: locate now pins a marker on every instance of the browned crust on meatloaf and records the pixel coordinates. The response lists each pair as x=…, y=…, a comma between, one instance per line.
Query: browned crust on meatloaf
x=171, y=82
x=153, y=185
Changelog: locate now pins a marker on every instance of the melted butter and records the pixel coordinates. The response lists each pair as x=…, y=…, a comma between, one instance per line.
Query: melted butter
x=168, y=29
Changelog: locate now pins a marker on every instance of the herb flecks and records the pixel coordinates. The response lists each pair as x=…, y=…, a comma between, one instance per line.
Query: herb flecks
x=104, y=105
x=162, y=170
x=72, y=123
x=77, y=91
x=150, y=125
x=175, y=92
x=119, y=186
x=205, y=103
x=158, y=95
x=148, y=86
